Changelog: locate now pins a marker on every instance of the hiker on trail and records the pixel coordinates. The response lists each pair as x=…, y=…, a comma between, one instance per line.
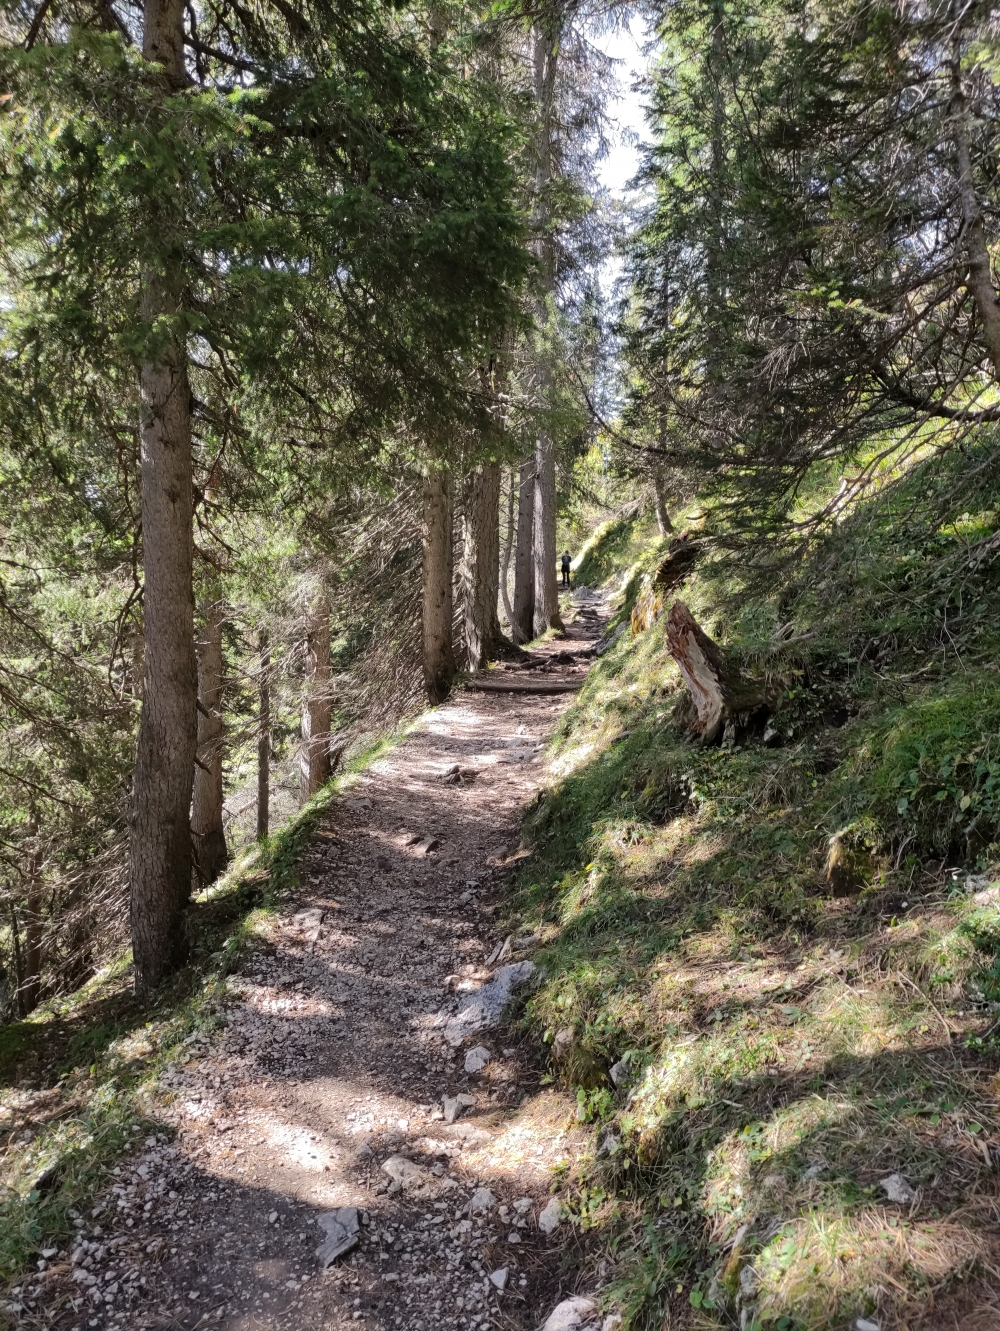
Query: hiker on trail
x=566, y=561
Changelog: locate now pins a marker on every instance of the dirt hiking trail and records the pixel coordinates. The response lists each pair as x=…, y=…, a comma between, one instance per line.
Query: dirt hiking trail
x=326, y=1088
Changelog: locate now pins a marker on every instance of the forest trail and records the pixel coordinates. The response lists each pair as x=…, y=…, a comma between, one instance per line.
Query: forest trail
x=334, y=1061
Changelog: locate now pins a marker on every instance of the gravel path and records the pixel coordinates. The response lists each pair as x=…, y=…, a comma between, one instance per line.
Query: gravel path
x=330, y=1086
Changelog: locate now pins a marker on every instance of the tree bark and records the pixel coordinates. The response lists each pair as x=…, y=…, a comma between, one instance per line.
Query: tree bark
x=508, y=550
x=263, y=738
x=438, y=593
x=547, y=35
x=546, y=578
x=314, y=755
x=718, y=697
x=522, y=622
x=207, y=827
x=32, y=982
x=160, y=833
x=979, y=279
x=480, y=571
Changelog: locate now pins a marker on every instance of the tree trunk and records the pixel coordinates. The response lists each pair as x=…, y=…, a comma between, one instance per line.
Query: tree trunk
x=263, y=738
x=160, y=833
x=15, y=943
x=438, y=594
x=547, y=35
x=663, y=524
x=207, y=828
x=480, y=571
x=546, y=577
x=508, y=549
x=32, y=982
x=314, y=755
x=522, y=622
x=979, y=279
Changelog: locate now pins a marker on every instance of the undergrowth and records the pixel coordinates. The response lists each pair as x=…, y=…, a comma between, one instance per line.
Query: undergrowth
x=757, y=1054
x=78, y=1079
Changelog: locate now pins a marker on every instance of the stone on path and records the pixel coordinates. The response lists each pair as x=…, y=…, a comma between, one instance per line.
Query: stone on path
x=455, y=1105
x=897, y=1189
x=571, y=1314
x=404, y=1172
x=477, y=1058
x=484, y=1008
x=481, y=1200
x=550, y=1216
x=499, y=1278
x=342, y=1233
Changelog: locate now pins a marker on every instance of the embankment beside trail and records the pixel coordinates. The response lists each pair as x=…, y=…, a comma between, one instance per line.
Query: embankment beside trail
x=773, y=964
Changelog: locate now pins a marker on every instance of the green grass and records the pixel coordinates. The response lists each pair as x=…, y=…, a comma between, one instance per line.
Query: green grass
x=785, y=1049
x=79, y=1079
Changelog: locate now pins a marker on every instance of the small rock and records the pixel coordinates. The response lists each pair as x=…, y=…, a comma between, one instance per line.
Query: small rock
x=570, y=1314
x=550, y=1216
x=481, y=1200
x=499, y=1278
x=618, y=1072
x=342, y=1232
x=897, y=1189
x=425, y=845
x=477, y=1058
x=485, y=1007
x=565, y=1039
x=404, y=1173
x=272, y=1217
x=453, y=1108
x=864, y=1324
x=513, y=1237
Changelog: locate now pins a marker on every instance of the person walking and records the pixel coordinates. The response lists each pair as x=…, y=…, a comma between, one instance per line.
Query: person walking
x=566, y=561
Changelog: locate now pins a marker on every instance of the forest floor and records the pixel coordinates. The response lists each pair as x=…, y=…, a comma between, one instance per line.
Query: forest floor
x=325, y=1087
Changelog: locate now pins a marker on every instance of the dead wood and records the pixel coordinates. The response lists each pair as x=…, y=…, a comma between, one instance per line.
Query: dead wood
x=723, y=702
x=682, y=555
x=517, y=686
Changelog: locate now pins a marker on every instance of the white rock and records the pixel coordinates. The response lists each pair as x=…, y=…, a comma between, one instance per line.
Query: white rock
x=513, y=1237
x=618, y=1072
x=570, y=1314
x=484, y=1008
x=499, y=1278
x=481, y=1200
x=550, y=1216
x=863, y=1324
x=477, y=1058
x=342, y=1233
x=404, y=1172
x=453, y=1108
x=897, y=1189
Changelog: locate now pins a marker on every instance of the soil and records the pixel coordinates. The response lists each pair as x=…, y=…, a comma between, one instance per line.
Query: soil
x=334, y=1061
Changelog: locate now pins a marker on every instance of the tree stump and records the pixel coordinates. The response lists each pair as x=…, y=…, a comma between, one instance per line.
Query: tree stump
x=723, y=703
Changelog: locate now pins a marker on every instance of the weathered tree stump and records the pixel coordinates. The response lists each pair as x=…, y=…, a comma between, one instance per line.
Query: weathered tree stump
x=723, y=703
x=682, y=555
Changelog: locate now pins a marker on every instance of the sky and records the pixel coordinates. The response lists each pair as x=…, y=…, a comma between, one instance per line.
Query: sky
x=623, y=160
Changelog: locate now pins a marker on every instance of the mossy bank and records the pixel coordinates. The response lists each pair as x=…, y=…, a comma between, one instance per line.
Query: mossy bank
x=772, y=965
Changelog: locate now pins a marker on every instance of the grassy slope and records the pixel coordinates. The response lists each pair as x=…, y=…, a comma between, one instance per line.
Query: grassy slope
x=786, y=1050
x=79, y=1078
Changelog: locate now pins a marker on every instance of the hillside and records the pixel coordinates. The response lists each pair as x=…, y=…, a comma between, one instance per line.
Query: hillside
x=772, y=964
